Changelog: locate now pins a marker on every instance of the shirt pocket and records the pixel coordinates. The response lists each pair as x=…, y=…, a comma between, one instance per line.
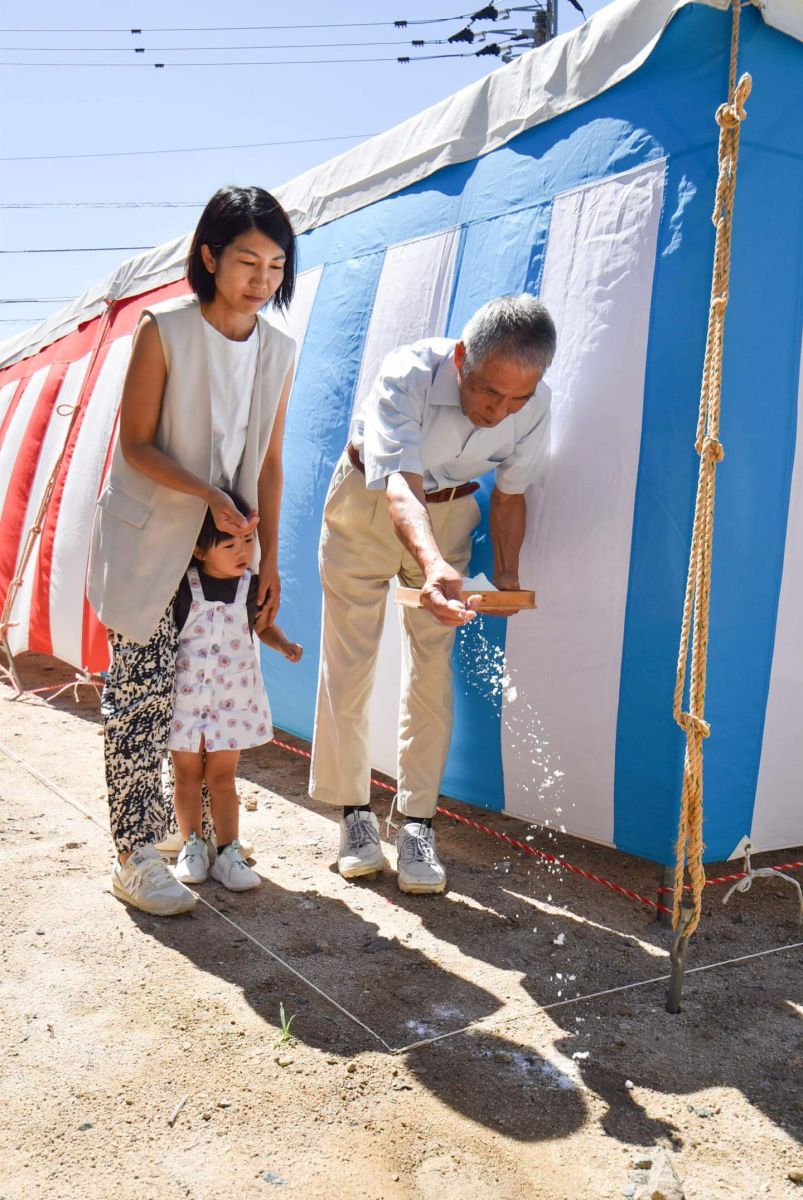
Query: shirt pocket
x=124, y=507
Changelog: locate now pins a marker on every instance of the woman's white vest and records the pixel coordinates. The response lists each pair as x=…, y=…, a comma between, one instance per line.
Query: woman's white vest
x=144, y=533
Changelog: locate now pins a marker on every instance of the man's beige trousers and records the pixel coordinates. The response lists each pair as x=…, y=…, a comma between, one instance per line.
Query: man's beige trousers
x=359, y=555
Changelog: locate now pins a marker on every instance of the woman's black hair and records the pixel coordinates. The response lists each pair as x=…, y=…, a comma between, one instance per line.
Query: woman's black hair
x=210, y=535
x=230, y=212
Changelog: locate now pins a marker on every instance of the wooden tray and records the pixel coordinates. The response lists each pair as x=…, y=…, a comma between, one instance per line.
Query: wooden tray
x=499, y=601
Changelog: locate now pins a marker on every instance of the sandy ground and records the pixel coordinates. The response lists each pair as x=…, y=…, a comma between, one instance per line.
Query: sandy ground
x=140, y=1056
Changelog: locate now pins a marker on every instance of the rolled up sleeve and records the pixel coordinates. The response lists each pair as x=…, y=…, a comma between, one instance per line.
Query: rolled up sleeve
x=526, y=466
x=394, y=416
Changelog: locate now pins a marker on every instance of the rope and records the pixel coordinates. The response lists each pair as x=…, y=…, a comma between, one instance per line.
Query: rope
x=696, y=605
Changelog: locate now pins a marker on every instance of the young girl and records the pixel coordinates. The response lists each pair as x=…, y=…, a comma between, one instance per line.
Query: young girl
x=203, y=409
x=221, y=705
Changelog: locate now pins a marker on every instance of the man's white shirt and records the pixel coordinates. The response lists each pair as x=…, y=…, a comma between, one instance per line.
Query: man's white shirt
x=412, y=421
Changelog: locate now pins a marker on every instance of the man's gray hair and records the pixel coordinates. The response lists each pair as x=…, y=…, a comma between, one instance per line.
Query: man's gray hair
x=515, y=327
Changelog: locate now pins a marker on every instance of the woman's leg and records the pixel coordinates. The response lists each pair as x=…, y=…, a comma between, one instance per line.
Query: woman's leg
x=137, y=705
x=188, y=771
x=220, y=768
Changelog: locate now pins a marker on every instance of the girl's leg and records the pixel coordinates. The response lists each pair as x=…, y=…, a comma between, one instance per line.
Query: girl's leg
x=188, y=770
x=137, y=705
x=219, y=771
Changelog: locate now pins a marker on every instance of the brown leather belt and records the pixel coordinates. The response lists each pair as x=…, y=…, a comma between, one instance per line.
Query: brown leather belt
x=455, y=493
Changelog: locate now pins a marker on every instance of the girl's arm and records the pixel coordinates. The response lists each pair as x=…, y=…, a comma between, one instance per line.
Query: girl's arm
x=269, y=493
x=141, y=406
x=276, y=639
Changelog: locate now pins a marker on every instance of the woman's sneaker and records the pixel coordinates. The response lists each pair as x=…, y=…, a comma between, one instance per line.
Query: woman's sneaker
x=360, y=849
x=231, y=869
x=147, y=883
x=420, y=871
x=193, y=861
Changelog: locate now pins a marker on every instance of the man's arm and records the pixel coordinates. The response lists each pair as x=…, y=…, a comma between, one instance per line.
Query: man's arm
x=508, y=522
x=440, y=594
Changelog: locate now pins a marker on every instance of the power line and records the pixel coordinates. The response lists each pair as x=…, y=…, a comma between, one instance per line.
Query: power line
x=401, y=24
x=343, y=137
x=273, y=62
x=159, y=49
x=36, y=300
x=77, y=249
x=105, y=204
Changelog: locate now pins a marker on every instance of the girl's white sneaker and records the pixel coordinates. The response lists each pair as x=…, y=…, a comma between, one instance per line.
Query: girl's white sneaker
x=193, y=861
x=231, y=869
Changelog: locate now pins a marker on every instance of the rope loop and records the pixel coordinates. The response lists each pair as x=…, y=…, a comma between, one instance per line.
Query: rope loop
x=690, y=723
x=710, y=448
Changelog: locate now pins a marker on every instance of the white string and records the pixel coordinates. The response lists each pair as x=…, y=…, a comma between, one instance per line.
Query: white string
x=481, y=1023
x=54, y=787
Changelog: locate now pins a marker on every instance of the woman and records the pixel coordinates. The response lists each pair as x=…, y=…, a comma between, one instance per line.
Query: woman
x=203, y=409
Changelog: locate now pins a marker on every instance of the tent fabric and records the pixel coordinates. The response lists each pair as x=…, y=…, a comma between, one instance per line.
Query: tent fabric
x=604, y=211
x=558, y=77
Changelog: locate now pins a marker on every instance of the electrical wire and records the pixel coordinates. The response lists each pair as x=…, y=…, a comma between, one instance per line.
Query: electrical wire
x=342, y=137
x=105, y=204
x=76, y=249
x=402, y=24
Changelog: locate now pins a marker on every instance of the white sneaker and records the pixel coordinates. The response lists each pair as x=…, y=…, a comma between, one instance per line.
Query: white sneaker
x=420, y=871
x=231, y=869
x=173, y=844
x=147, y=883
x=193, y=861
x=360, y=848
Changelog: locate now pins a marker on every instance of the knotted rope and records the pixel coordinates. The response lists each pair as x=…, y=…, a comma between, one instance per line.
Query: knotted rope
x=696, y=605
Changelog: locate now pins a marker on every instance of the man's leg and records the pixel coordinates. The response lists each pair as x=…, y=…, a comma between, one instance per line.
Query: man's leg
x=425, y=709
x=359, y=554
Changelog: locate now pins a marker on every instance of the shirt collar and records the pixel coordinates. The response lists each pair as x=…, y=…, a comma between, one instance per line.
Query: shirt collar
x=444, y=385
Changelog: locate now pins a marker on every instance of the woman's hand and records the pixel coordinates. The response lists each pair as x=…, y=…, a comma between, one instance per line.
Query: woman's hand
x=269, y=592
x=227, y=516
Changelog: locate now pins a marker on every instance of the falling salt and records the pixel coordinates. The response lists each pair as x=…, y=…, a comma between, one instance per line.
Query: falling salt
x=511, y=694
x=560, y=939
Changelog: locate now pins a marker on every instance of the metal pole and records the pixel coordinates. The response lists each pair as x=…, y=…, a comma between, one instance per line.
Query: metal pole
x=553, y=17
x=678, y=955
x=667, y=880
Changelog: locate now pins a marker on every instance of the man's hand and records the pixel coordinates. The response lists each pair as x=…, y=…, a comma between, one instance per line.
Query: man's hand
x=269, y=593
x=441, y=595
x=507, y=582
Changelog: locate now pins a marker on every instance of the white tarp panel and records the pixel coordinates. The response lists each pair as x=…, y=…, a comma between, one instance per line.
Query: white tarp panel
x=52, y=446
x=71, y=549
x=597, y=284
x=779, y=797
x=296, y=320
x=412, y=302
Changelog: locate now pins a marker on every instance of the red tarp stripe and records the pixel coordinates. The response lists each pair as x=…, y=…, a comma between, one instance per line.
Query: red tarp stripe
x=15, y=503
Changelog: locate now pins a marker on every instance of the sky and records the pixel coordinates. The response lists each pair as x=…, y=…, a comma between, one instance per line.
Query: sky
x=73, y=131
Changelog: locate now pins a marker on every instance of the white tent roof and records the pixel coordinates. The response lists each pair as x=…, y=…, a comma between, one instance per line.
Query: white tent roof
x=543, y=83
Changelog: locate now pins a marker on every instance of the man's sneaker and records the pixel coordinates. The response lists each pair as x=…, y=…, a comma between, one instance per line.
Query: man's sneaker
x=147, y=883
x=360, y=849
x=231, y=869
x=193, y=861
x=173, y=844
x=420, y=871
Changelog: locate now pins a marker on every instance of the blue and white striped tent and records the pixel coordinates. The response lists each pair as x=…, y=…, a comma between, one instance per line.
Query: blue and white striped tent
x=584, y=172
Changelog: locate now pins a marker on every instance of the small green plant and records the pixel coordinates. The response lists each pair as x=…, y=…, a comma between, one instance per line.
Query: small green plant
x=285, y=1036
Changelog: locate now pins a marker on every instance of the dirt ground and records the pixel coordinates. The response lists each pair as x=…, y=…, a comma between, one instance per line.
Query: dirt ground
x=140, y=1055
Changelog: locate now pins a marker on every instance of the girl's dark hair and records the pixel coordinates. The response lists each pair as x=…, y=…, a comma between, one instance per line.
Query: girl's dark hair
x=230, y=212
x=210, y=535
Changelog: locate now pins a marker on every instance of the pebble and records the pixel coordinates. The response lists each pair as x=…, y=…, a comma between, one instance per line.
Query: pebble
x=283, y=1061
x=795, y=1175
x=269, y=1177
x=250, y=805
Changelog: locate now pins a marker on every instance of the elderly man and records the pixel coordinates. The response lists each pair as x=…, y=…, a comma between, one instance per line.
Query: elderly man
x=400, y=504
